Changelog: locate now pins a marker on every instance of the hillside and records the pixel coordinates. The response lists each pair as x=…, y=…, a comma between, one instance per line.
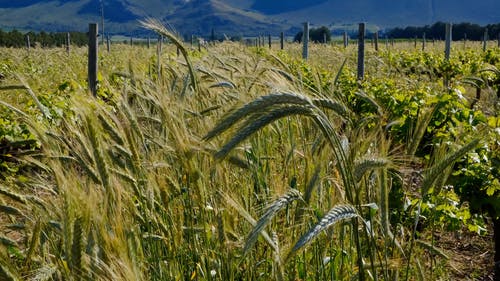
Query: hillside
x=248, y=17
x=223, y=18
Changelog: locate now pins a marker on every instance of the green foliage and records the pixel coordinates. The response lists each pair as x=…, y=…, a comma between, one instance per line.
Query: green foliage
x=476, y=177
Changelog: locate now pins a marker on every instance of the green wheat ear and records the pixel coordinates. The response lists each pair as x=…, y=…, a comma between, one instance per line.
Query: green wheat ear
x=336, y=214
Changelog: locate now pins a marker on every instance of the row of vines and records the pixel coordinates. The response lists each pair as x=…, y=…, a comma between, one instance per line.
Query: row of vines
x=238, y=163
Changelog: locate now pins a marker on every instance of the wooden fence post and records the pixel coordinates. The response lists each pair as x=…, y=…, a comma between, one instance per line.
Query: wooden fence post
x=415, y=44
x=269, y=40
x=324, y=38
x=131, y=41
x=375, y=37
x=158, y=56
x=68, y=42
x=361, y=51
x=447, y=51
x=448, y=41
x=149, y=42
x=423, y=42
x=28, y=43
x=108, y=43
x=485, y=39
x=305, y=40
x=386, y=42
x=92, y=63
x=282, y=40
x=346, y=41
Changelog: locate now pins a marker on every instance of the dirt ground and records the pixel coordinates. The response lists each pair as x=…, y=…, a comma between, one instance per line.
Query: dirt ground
x=471, y=255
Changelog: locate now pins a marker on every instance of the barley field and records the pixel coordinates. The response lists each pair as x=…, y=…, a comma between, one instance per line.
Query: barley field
x=245, y=163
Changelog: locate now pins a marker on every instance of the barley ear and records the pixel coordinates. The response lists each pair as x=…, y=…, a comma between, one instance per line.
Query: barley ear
x=35, y=240
x=77, y=247
x=253, y=125
x=340, y=109
x=271, y=211
x=336, y=214
x=97, y=153
x=155, y=25
x=421, y=127
x=249, y=218
x=433, y=172
x=365, y=165
x=259, y=105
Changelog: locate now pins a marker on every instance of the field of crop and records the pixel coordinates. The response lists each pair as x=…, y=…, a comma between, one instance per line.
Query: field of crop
x=244, y=163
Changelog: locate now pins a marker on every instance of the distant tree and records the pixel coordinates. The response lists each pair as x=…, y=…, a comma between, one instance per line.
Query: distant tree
x=315, y=35
x=473, y=31
x=320, y=34
x=15, y=39
x=298, y=37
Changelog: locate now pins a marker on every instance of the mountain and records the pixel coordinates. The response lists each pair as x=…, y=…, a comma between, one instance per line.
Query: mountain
x=238, y=17
x=223, y=18
x=387, y=13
